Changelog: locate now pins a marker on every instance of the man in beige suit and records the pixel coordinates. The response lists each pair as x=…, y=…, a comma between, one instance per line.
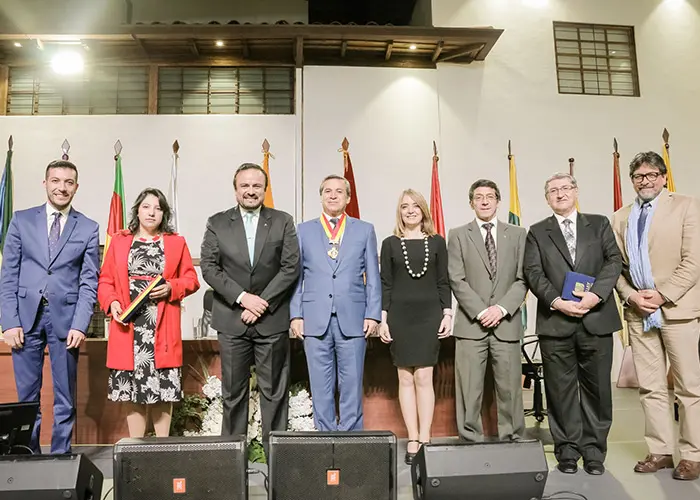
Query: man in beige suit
x=659, y=237
x=486, y=274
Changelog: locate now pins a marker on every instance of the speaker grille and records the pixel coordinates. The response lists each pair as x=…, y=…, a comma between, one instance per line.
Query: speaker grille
x=365, y=465
x=215, y=471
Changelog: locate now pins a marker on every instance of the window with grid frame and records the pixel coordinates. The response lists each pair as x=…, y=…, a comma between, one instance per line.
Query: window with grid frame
x=100, y=90
x=225, y=90
x=596, y=59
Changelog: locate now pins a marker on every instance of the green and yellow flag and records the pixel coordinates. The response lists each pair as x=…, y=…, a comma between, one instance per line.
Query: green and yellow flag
x=6, y=202
x=514, y=213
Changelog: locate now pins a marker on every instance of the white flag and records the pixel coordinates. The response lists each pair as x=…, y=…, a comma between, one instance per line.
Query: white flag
x=172, y=193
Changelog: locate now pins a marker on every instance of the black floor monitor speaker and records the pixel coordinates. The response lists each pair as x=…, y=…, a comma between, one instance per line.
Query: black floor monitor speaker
x=197, y=468
x=332, y=466
x=49, y=477
x=483, y=471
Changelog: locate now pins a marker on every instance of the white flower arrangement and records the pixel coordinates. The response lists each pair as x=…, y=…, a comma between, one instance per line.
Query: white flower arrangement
x=300, y=414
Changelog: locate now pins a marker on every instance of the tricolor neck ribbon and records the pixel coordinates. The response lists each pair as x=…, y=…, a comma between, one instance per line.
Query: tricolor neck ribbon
x=333, y=234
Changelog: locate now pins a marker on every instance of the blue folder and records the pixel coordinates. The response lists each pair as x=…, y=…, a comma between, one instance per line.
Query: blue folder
x=576, y=282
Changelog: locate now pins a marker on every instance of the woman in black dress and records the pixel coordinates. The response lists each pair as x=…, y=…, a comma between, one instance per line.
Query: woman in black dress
x=417, y=312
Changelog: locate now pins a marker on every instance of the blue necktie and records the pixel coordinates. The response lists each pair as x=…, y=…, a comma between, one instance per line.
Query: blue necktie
x=250, y=235
x=642, y=222
x=54, y=234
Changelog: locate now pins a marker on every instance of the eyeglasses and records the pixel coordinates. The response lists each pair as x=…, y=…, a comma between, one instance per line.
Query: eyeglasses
x=489, y=197
x=563, y=189
x=639, y=178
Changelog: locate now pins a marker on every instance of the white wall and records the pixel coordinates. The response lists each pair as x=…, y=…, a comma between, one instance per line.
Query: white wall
x=211, y=147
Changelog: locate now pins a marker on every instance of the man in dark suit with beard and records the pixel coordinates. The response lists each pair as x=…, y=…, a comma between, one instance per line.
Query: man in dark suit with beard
x=575, y=337
x=250, y=257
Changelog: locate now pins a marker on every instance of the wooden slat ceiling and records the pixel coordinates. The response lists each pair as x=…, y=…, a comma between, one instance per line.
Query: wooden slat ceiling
x=258, y=45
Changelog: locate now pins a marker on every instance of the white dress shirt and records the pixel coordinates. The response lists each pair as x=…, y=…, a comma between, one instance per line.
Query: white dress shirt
x=50, y=211
x=482, y=229
x=249, y=235
x=573, y=216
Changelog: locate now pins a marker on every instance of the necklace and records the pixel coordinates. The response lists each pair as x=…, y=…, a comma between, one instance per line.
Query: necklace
x=425, y=262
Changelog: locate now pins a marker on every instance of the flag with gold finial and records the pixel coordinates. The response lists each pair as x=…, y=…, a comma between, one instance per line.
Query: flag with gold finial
x=670, y=185
x=353, y=208
x=436, y=196
x=266, y=167
x=514, y=214
x=117, y=208
x=571, y=173
x=172, y=187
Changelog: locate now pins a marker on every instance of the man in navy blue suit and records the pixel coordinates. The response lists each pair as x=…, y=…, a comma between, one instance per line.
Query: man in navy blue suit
x=334, y=308
x=48, y=288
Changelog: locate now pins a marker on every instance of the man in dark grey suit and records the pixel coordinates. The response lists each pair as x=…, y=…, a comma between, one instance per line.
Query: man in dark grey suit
x=575, y=337
x=250, y=257
x=486, y=275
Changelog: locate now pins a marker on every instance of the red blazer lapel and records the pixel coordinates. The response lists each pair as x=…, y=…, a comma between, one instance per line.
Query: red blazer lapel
x=122, y=246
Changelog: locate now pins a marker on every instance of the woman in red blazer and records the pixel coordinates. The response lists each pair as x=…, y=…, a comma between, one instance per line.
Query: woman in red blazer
x=145, y=353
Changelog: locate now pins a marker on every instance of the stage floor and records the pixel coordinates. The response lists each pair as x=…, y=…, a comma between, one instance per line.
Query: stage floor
x=626, y=446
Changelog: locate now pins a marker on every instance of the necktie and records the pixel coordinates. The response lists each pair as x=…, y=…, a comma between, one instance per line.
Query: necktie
x=642, y=222
x=333, y=221
x=490, y=248
x=250, y=235
x=570, y=239
x=54, y=234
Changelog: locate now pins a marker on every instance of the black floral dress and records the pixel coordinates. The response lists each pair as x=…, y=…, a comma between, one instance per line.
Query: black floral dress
x=146, y=384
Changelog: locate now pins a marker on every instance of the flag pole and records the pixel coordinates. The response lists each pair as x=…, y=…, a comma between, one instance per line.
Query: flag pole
x=670, y=185
x=117, y=208
x=515, y=216
x=571, y=173
x=269, y=202
x=175, y=209
x=353, y=208
x=436, y=211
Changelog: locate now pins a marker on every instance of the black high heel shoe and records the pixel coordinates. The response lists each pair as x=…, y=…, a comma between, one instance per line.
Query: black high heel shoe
x=410, y=456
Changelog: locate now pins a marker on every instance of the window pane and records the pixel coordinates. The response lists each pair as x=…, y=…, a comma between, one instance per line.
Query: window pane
x=226, y=90
x=602, y=63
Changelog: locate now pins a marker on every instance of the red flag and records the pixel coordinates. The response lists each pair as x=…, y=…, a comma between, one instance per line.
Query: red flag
x=617, y=186
x=117, y=209
x=436, y=197
x=353, y=208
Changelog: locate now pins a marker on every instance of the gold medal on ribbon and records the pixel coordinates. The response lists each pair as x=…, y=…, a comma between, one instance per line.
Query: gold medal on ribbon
x=333, y=234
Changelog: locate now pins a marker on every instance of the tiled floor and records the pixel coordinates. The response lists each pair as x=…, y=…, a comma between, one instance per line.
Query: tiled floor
x=626, y=446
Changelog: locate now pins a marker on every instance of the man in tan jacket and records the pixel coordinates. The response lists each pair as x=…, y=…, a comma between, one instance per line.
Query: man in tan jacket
x=659, y=237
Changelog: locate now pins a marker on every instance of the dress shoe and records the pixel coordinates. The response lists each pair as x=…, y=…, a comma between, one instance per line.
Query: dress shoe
x=567, y=466
x=408, y=459
x=687, y=470
x=653, y=463
x=594, y=467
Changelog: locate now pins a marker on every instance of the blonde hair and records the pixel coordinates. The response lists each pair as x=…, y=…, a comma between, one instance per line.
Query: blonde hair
x=426, y=224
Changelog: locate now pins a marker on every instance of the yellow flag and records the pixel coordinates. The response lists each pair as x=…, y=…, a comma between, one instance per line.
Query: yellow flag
x=669, y=175
x=266, y=167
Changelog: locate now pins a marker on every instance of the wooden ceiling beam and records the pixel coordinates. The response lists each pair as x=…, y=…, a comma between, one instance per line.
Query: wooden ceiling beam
x=469, y=50
x=437, y=51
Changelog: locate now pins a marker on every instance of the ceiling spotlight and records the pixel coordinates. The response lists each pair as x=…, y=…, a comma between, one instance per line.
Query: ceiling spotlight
x=412, y=47
x=17, y=44
x=219, y=43
x=67, y=63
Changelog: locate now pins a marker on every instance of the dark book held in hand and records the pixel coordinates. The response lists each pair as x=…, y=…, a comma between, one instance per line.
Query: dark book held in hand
x=576, y=282
x=134, y=308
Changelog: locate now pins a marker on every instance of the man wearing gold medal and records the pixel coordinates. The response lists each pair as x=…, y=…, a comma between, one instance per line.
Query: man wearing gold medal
x=333, y=309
